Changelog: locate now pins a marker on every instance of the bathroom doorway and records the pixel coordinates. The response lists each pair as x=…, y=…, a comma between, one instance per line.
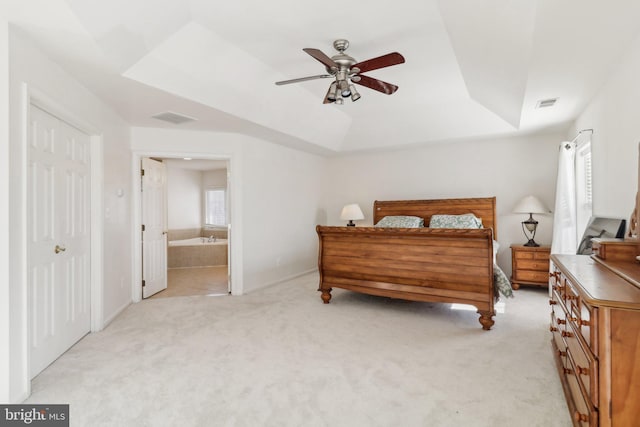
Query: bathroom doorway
x=197, y=227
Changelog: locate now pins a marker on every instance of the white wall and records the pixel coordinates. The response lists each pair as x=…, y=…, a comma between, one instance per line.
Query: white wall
x=214, y=178
x=613, y=115
x=5, y=225
x=184, y=198
x=508, y=168
x=275, y=191
x=27, y=65
x=281, y=209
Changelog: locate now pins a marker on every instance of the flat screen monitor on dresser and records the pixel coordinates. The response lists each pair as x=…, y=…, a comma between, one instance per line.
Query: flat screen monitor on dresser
x=601, y=227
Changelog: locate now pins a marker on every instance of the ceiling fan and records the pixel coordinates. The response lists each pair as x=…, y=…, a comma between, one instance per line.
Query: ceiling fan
x=346, y=71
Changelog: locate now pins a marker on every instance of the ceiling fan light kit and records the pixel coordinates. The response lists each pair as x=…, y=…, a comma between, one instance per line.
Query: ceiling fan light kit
x=346, y=71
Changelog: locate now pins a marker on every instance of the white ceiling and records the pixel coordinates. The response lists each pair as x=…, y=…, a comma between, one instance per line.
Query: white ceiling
x=474, y=68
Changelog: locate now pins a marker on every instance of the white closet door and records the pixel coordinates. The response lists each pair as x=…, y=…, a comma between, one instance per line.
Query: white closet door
x=59, y=238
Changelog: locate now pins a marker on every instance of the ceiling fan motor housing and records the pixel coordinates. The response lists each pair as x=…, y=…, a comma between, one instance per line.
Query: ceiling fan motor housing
x=342, y=59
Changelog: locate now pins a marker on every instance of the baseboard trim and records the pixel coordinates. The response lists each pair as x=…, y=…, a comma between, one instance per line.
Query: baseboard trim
x=287, y=278
x=116, y=314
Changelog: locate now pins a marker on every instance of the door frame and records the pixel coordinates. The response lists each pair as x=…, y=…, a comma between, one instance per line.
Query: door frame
x=32, y=96
x=233, y=182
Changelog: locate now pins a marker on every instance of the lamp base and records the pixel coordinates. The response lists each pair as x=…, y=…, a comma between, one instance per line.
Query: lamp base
x=351, y=223
x=529, y=229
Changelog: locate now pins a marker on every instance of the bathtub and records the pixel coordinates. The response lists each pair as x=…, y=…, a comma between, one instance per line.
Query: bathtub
x=197, y=241
x=197, y=252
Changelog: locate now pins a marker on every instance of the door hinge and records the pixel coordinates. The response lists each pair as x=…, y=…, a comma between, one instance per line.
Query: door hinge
x=141, y=172
x=144, y=283
x=142, y=227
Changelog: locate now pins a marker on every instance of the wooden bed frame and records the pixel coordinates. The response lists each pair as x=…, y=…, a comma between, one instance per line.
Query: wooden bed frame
x=419, y=264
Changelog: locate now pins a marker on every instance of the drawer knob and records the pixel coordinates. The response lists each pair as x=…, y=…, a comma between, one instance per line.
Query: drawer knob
x=571, y=297
x=562, y=353
x=580, y=417
x=561, y=322
x=553, y=328
x=585, y=323
x=552, y=302
x=568, y=371
x=567, y=334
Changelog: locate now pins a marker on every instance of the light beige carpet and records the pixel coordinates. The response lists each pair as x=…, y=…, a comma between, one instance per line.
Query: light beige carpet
x=279, y=357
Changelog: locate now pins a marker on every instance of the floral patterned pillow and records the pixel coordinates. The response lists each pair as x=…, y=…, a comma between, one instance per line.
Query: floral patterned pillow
x=401, y=222
x=501, y=282
x=455, y=221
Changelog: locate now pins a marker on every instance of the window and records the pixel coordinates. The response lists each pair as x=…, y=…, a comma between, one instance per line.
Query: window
x=584, y=197
x=215, y=207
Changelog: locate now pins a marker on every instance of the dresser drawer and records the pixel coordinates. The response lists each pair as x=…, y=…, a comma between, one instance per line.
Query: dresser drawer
x=558, y=284
x=519, y=254
x=558, y=324
x=582, y=316
x=615, y=249
x=585, y=321
x=557, y=331
x=542, y=256
x=582, y=412
x=584, y=364
x=533, y=264
x=531, y=276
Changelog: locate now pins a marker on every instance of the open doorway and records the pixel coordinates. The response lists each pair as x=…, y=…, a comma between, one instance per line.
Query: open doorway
x=197, y=212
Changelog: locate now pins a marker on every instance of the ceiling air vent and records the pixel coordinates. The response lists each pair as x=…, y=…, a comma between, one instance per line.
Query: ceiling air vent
x=544, y=103
x=175, y=118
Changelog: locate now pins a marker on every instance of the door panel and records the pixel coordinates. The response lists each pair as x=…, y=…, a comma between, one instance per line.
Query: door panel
x=59, y=238
x=154, y=237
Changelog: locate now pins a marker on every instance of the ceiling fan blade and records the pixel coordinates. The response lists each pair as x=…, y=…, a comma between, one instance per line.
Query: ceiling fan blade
x=376, y=84
x=326, y=97
x=303, y=79
x=320, y=56
x=380, y=62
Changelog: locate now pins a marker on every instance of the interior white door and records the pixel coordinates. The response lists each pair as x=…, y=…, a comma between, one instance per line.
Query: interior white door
x=228, y=214
x=154, y=236
x=58, y=237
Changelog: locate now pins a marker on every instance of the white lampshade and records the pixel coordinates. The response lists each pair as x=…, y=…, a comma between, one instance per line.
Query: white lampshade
x=531, y=205
x=351, y=212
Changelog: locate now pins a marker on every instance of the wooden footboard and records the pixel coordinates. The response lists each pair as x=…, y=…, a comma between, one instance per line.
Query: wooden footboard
x=419, y=264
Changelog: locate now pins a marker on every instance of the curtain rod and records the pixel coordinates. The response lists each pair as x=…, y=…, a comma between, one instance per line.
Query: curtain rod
x=580, y=133
x=568, y=144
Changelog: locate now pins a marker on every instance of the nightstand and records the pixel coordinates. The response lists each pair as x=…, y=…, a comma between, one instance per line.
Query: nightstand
x=530, y=265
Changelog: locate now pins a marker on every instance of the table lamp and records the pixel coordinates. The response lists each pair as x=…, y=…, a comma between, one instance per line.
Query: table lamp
x=350, y=213
x=530, y=205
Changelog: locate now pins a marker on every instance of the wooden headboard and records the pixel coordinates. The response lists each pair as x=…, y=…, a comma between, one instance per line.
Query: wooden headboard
x=484, y=208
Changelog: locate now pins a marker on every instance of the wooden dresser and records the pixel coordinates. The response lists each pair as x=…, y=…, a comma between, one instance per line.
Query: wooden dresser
x=530, y=265
x=595, y=324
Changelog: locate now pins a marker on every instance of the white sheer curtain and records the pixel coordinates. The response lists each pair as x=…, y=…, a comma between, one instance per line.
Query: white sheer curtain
x=564, y=239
